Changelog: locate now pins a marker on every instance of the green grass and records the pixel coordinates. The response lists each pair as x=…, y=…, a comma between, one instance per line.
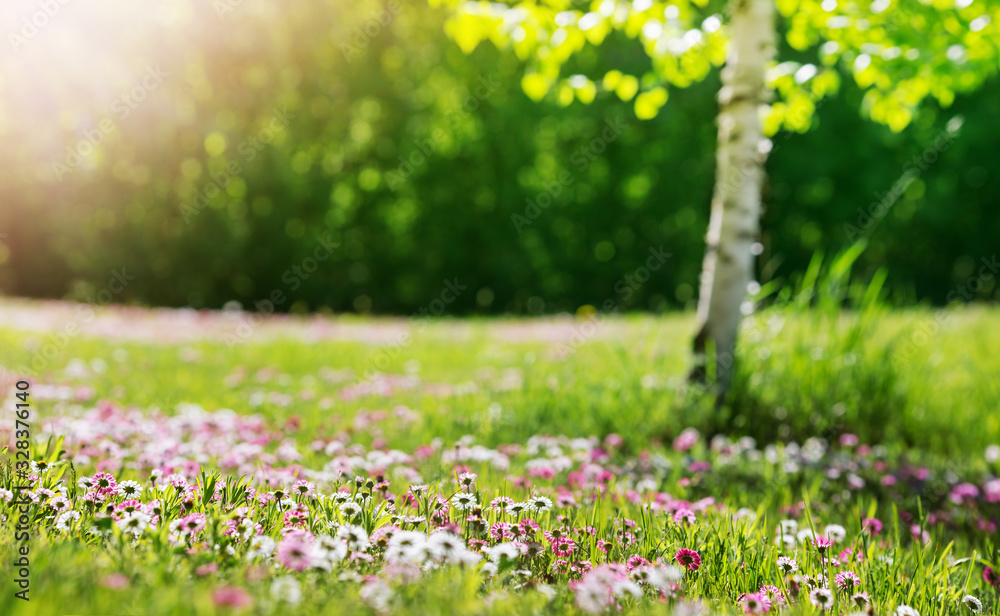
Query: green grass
x=803, y=373
x=798, y=370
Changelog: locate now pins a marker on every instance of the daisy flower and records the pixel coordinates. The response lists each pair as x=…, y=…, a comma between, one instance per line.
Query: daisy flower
x=788, y=527
x=59, y=504
x=774, y=594
x=835, y=532
x=822, y=543
x=261, y=546
x=350, y=509
x=906, y=610
x=563, y=547
x=501, y=503
x=355, y=537
x=134, y=523
x=286, y=589
x=105, y=483
x=593, y=598
x=404, y=546
x=66, y=519
x=787, y=565
x=327, y=551
x=565, y=500
x=684, y=515
x=873, y=526
x=304, y=488
x=127, y=507
x=130, y=488
x=539, y=504
x=861, y=599
x=517, y=508
x=991, y=577
x=847, y=580
x=822, y=598
x=805, y=535
x=756, y=603
x=418, y=489
x=294, y=553
x=464, y=501
x=445, y=544
x=191, y=524
x=688, y=558
x=975, y=605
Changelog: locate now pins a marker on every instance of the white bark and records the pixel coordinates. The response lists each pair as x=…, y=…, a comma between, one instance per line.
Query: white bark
x=736, y=203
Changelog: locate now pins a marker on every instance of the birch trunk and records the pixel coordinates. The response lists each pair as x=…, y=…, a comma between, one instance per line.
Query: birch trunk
x=736, y=203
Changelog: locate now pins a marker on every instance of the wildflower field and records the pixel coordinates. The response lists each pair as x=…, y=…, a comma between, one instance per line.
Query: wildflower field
x=185, y=462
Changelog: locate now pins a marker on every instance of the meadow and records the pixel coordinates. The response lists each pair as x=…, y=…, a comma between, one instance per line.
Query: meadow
x=190, y=462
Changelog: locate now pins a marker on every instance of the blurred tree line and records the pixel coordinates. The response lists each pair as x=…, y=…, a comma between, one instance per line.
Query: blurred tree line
x=360, y=132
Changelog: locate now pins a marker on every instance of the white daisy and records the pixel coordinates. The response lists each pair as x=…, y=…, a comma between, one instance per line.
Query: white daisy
x=350, y=510
x=500, y=551
x=463, y=501
x=261, y=546
x=539, y=504
x=130, y=489
x=134, y=523
x=355, y=537
x=327, y=551
x=60, y=503
x=286, y=589
x=975, y=605
x=517, y=508
x=787, y=565
x=821, y=598
x=788, y=527
x=66, y=519
x=445, y=544
x=405, y=546
x=835, y=532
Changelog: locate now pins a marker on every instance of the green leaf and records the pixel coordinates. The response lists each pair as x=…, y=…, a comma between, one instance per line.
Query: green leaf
x=648, y=104
x=627, y=87
x=536, y=86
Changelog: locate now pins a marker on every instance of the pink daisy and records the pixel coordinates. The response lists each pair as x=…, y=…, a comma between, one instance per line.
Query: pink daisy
x=231, y=596
x=873, y=526
x=688, y=558
x=756, y=603
x=847, y=580
x=293, y=552
x=822, y=543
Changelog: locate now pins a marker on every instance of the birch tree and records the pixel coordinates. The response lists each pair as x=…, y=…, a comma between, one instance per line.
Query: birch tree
x=902, y=53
